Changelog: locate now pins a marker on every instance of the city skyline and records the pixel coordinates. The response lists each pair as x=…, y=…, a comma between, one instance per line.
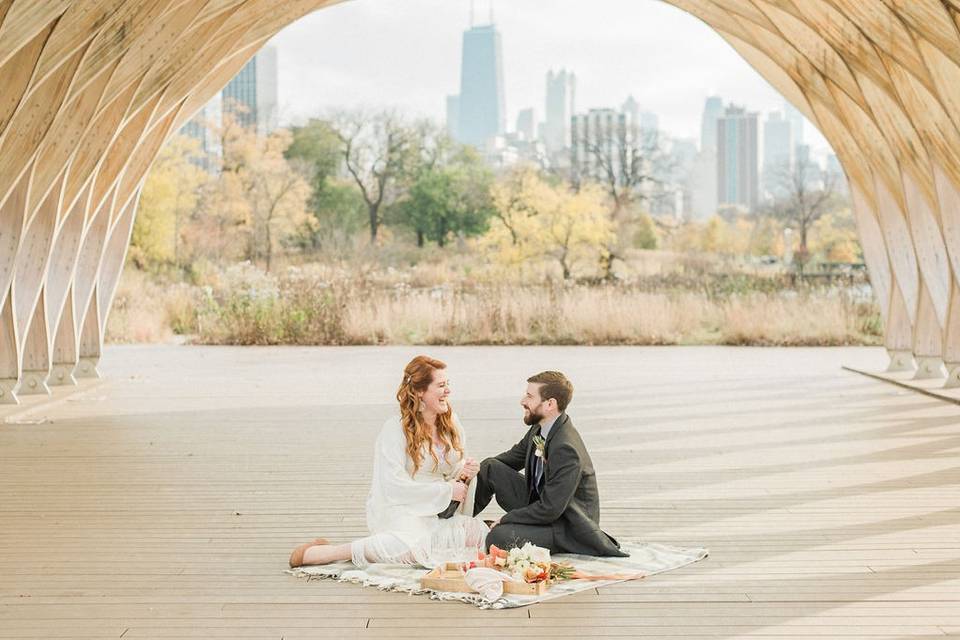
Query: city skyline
x=666, y=59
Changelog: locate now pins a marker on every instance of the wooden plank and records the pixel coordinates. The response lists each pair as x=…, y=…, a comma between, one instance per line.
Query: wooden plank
x=147, y=509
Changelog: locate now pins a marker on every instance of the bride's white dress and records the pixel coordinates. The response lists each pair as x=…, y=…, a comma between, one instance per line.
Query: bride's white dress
x=402, y=509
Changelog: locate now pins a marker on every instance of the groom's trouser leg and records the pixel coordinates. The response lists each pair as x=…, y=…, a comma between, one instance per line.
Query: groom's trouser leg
x=496, y=478
x=507, y=536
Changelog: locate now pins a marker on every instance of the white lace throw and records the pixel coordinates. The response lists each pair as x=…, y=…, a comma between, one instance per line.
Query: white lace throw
x=647, y=558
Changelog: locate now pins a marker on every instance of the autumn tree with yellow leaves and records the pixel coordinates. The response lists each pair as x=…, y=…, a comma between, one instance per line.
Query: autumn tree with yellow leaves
x=534, y=219
x=268, y=195
x=256, y=206
x=169, y=198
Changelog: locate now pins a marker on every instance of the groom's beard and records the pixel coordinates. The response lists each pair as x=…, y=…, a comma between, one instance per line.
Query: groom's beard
x=531, y=418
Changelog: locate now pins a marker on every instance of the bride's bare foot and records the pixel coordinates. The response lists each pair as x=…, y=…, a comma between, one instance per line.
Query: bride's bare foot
x=325, y=554
x=297, y=557
x=319, y=552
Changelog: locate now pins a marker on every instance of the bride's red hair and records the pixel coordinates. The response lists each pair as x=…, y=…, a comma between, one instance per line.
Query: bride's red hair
x=417, y=376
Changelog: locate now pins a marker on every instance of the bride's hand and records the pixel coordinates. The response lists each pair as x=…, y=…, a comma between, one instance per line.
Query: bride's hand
x=459, y=492
x=470, y=470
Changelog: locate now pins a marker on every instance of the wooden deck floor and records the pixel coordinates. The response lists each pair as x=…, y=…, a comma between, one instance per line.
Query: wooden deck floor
x=163, y=501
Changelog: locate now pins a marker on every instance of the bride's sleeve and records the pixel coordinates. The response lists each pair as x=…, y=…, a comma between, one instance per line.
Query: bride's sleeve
x=466, y=507
x=421, y=498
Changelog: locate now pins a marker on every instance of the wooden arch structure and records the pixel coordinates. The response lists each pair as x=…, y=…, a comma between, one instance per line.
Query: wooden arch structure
x=92, y=89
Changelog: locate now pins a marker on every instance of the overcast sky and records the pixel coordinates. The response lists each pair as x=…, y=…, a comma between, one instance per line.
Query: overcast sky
x=406, y=53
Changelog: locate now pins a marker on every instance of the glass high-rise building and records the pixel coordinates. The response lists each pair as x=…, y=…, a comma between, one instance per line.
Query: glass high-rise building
x=252, y=94
x=777, y=153
x=561, y=92
x=712, y=110
x=482, y=104
x=453, y=116
x=703, y=201
x=737, y=174
x=595, y=136
x=796, y=120
x=527, y=125
x=204, y=128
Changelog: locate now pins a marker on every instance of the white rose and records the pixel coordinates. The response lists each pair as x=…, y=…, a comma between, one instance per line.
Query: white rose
x=539, y=554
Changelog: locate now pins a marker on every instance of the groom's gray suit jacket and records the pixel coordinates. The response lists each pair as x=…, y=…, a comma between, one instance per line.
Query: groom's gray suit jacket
x=568, y=500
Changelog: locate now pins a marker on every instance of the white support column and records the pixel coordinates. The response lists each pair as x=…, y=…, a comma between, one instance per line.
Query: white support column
x=90, y=342
x=928, y=340
x=36, y=354
x=935, y=281
x=112, y=268
x=66, y=354
x=949, y=196
x=30, y=273
x=9, y=365
x=951, y=341
x=58, y=291
x=899, y=334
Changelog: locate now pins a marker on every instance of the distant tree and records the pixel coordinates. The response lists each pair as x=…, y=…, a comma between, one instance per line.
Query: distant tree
x=378, y=151
x=259, y=196
x=338, y=208
x=834, y=236
x=517, y=198
x=535, y=219
x=170, y=196
x=645, y=234
x=808, y=195
x=448, y=198
x=631, y=165
x=317, y=144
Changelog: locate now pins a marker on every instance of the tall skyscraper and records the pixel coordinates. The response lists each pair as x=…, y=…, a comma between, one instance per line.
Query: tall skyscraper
x=561, y=94
x=737, y=175
x=203, y=127
x=777, y=153
x=526, y=125
x=796, y=120
x=631, y=109
x=712, y=110
x=252, y=94
x=834, y=173
x=649, y=121
x=703, y=192
x=482, y=102
x=453, y=116
x=599, y=132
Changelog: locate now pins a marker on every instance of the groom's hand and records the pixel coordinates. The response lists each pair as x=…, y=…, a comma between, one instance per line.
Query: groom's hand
x=470, y=470
x=459, y=492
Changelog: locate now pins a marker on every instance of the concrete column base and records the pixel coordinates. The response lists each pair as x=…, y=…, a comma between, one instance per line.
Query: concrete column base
x=87, y=368
x=929, y=367
x=900, y=361
x=7, y=388
x=953, y=375
x=34, y=383
x=62, y=376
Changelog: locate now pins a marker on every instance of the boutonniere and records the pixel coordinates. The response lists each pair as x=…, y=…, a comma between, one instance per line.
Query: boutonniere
x=540, y=446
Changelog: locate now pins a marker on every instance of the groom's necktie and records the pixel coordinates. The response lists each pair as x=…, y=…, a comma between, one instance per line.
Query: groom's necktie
x=537, y=468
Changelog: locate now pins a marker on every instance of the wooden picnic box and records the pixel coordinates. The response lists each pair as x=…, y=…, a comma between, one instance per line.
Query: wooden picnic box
x=449, y=578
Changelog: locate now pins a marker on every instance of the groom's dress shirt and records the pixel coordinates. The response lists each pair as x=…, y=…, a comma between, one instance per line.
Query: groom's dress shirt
x=545, y=427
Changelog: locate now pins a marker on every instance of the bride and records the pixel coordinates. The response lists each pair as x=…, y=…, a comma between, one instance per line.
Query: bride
x=420, y=476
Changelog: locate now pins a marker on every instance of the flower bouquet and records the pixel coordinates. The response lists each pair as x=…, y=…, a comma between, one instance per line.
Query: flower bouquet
x=526, y=570
x=530, y=564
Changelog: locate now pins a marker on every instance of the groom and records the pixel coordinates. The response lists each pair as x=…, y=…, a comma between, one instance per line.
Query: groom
x=555, y=504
